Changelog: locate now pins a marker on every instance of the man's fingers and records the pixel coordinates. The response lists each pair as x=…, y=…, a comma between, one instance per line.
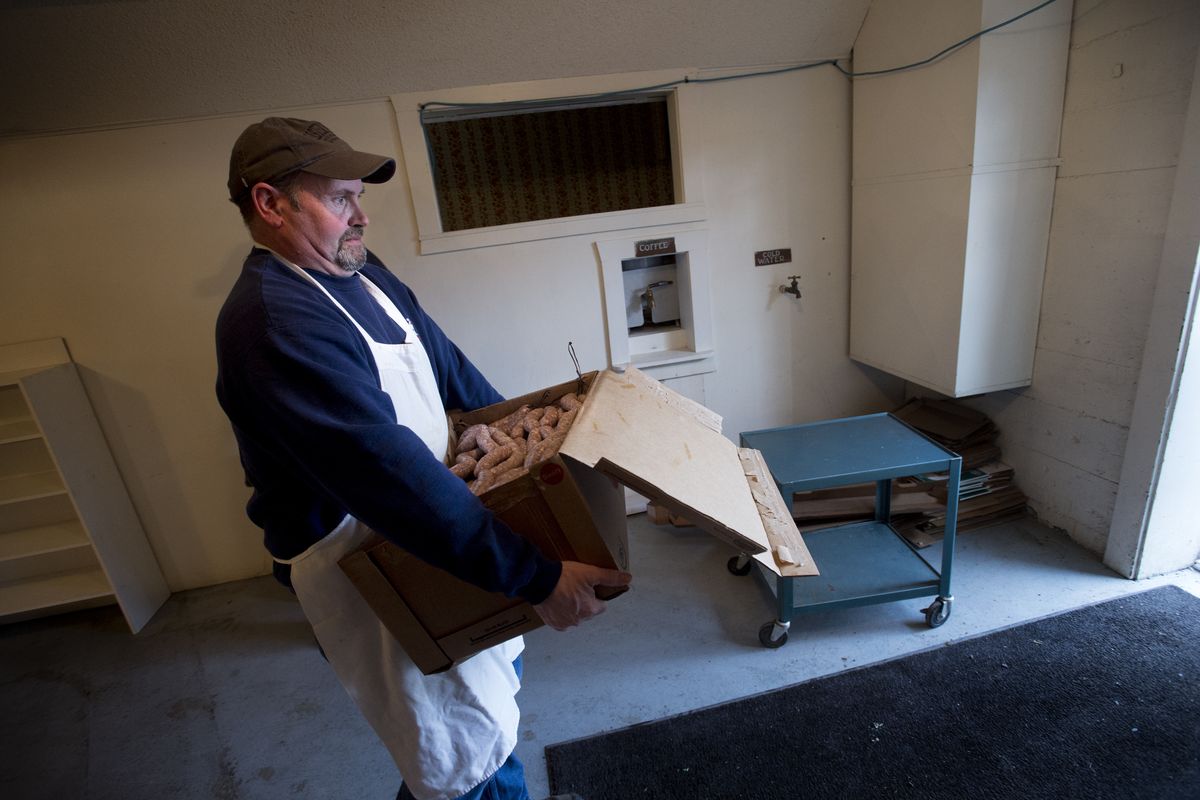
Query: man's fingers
x=574, y=597
x=614, y=578
x=600, y=576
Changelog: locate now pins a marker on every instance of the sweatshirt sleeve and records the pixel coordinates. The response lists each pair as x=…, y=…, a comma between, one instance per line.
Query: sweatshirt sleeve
x=314, y=401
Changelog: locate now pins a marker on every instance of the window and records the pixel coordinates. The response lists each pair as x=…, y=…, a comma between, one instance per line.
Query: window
x=517, y=164
x=500, y=164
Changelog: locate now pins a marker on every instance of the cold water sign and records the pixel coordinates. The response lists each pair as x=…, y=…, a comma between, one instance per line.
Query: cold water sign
x=654, y=247
x=763, y=258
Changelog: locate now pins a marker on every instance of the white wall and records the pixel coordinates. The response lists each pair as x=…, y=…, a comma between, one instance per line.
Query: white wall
x=1129, y=77
x=778, y=176
x=125, y=246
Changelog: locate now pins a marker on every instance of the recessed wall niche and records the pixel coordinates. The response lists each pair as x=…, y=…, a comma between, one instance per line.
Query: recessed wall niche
x=658, y=309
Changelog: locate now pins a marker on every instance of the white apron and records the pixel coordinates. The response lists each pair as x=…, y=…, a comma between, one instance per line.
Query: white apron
x=446, y=732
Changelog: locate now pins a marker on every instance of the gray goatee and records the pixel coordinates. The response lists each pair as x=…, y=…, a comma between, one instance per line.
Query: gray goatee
x=351, y=253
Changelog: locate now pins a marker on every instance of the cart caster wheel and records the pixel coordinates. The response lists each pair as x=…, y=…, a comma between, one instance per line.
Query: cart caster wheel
x=937, y=613
x=767, y=633
x=739, y=565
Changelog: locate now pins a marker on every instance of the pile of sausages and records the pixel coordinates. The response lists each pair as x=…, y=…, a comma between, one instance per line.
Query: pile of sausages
x=494, y=453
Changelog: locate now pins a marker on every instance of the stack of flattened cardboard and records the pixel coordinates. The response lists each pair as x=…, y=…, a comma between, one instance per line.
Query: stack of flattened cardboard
x=965, y=431
x=987, y=493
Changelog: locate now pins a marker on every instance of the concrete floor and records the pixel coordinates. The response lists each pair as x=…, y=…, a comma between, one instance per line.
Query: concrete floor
x=224, y=695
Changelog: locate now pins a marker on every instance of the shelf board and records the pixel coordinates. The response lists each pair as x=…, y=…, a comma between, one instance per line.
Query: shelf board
x=30, y=487
x=54, y=594
x=43, y=539
x=861, y=563
x=18, y=430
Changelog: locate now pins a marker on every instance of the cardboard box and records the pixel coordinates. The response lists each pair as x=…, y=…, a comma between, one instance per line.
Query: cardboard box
x=631, y=431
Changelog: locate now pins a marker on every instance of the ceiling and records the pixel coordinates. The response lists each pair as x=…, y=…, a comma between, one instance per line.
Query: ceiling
x=79, y=64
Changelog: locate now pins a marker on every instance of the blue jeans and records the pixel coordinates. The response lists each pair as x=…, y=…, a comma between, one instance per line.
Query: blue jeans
x=507, y=783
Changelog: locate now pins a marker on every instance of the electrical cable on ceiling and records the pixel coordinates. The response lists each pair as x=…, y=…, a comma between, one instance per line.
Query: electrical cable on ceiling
x=552, y=102
x=947, y=51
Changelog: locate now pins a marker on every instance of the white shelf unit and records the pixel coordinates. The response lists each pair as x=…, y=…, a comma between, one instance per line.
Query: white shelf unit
x=954, y=172
x=69, y=535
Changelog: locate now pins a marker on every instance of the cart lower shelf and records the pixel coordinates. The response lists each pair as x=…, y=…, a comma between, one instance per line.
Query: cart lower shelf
x=861, y=563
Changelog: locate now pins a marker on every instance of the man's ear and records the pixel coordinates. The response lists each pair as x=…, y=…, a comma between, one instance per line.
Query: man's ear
x=267, y=203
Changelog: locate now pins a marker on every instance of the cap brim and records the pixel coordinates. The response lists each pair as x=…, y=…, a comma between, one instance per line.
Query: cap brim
x=352, y=165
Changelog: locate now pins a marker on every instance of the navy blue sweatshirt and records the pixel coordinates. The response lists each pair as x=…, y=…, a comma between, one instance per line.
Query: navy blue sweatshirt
x=318, y=437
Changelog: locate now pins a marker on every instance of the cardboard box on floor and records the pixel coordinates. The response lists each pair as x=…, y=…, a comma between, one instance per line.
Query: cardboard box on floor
x=631, y=430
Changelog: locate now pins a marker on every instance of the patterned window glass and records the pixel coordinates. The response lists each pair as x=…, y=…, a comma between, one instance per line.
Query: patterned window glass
x=501, y=168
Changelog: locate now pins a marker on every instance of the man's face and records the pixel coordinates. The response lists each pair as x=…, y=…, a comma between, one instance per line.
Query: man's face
x=325, y=224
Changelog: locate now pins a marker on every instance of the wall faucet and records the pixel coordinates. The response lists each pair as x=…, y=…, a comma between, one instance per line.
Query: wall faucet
x=794, y=288
x=648, y=299
x=649, y=294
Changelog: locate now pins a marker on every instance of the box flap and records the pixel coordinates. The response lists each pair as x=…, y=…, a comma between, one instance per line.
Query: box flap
x=659, y=444
x=788, y=554
x=388, y=606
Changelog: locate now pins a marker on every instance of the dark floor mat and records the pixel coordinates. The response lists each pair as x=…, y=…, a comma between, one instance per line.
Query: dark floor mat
x=1100, y=702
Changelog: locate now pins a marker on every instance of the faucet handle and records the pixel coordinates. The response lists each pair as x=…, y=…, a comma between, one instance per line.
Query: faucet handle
x=794, y=289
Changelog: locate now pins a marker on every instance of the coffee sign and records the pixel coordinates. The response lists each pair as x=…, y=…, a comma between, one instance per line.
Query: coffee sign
x=654, y=247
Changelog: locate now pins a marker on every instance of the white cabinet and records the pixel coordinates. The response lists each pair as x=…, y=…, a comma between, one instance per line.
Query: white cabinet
x=69, y=535
x=954, y=170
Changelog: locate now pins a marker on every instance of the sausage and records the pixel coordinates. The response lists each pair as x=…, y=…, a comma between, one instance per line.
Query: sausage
x=470, y=438
x=464, y=465
x=505, y=449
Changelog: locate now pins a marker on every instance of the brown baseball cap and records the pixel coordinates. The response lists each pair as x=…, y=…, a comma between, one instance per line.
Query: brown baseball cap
x=279, y=146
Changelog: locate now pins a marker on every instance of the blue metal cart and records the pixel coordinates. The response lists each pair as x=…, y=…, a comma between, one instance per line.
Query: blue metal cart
x=861, y=563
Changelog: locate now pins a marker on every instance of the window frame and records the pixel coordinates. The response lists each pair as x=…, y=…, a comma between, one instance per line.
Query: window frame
x=684, y=117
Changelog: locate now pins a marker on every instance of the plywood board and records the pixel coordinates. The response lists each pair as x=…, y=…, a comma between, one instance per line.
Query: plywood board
x=788, y=555
x=641, y=433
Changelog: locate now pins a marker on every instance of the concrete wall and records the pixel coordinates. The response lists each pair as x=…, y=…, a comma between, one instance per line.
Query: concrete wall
x=1153, y=529
x=1129, y=78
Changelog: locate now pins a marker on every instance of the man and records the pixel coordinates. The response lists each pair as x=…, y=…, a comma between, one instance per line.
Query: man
x=336, y=383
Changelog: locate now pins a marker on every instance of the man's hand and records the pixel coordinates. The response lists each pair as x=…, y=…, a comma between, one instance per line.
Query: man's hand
x=574, y=597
